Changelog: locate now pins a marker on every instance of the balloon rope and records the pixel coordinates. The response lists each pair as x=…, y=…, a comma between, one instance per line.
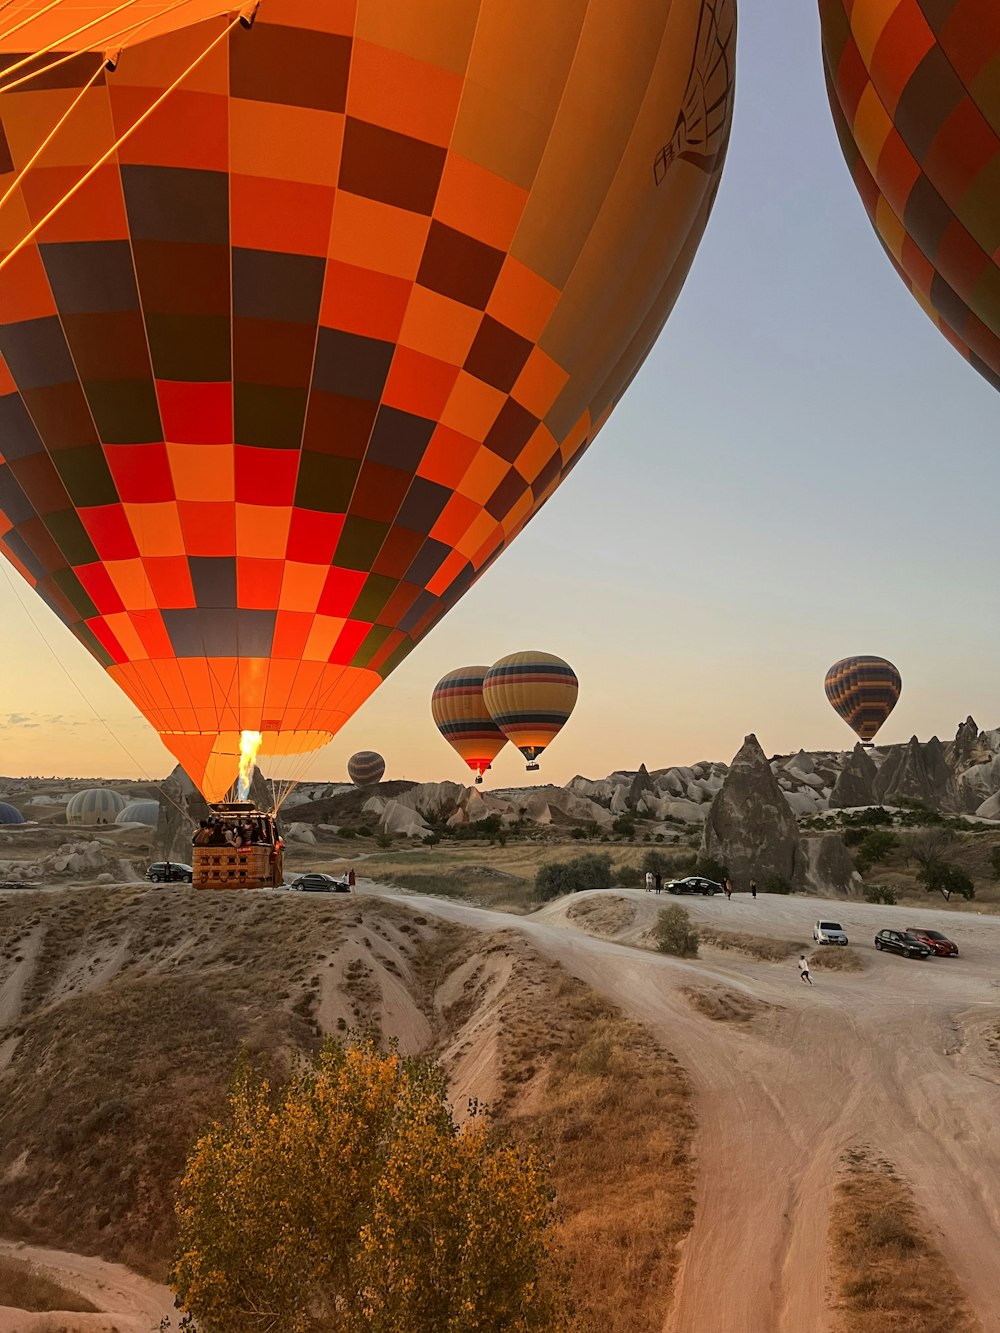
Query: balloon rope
x=122, y=139
x=140, y=768
x=52, y=133
x=57, y=42
x=30, y=19
x=133, y=28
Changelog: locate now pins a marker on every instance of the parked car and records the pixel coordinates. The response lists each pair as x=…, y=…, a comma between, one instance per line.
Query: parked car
x=316, y=882
x=901, y=941
x=829, y=932
x=694, y=884
x=935, y=941
x=169, y=872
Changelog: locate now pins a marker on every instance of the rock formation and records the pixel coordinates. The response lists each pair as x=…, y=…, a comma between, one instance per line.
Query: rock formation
x=830, y=868
x=750, y=827
x=916, y=772
x=856, y=782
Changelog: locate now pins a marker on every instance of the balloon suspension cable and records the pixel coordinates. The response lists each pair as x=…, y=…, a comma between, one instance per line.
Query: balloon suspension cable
x=111, y=53
x=15, y=183
x=31, y=18
x=58, y=42
x=79, y=689
x=122, y=139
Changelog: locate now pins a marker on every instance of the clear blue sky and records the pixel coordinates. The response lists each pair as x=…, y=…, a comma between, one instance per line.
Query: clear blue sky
x=803, y=469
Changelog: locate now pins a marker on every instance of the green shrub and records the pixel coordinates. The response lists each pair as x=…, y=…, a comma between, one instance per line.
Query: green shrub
x=995, y=862
x=590, y=871
x=940, y=877
x=628, y=877
x=577, y=833
x=775, y=884
x=875, y=846
x=713, y=869
x=880, y=893
x=674, y=933
x=624, y=825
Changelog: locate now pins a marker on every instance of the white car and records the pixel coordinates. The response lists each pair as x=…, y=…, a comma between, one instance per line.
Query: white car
x=829, y=932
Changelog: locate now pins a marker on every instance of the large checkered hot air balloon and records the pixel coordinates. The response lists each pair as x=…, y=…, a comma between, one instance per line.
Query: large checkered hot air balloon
x=307, y=307
x=915, y=91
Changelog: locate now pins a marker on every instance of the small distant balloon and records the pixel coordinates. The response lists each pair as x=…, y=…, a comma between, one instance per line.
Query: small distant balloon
x=530, y=696
x=365, y=768
x=461, y=716
x=864, y=691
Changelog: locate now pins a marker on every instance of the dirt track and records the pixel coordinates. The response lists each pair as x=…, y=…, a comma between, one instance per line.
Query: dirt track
x=894, y=1056
x=133, y=1304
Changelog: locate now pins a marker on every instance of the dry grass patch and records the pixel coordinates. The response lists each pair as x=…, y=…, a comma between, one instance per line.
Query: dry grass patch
x=889, y=1275
x=613, y=1109
x=23, y=1288
x=754, y=946
x=724, y=1006
x=836, y=958
x=602, y=916
x=136, y=1008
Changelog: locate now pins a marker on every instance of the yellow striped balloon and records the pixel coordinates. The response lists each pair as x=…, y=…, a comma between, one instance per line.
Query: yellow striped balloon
x=463, y=719
x=863, y=690
x=530, y=696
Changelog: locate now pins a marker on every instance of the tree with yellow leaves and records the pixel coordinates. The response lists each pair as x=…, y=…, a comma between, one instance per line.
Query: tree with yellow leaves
x=350, y=1200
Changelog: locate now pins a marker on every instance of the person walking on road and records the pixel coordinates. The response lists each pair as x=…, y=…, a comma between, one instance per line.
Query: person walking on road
x=658, y=882
x=753, y=888
x=728, y=890
x=649, y=881
x=804, y=969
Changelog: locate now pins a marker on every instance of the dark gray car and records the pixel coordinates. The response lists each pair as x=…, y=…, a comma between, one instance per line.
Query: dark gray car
x=899, y=941
x=694, y=884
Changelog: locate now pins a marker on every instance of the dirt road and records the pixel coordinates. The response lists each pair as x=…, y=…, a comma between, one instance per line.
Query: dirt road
x=132, y=1304
x=895, y=1057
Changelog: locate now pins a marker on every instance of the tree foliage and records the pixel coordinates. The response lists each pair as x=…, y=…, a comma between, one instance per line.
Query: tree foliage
x=930, y=847
x=875, y=846
x=940, y=877
x=349, y=1200
x=675, y=934
x=592, y=870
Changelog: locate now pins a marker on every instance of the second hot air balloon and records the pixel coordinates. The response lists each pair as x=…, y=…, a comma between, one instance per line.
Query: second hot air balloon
x=302, y=320
x=913, y=87
x=863, y=691
x=365, y=768
x=530, y=696
x=461, y=716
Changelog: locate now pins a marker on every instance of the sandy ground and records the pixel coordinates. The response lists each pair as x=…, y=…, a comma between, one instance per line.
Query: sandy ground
x=132, y=1304
x=893, y=1057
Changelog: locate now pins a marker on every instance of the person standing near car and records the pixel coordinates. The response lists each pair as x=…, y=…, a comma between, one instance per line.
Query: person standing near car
x=753, y=888
x=728, y=889
x=658, y=882
x=804, y=969
x=351, y=880
x=649, y=881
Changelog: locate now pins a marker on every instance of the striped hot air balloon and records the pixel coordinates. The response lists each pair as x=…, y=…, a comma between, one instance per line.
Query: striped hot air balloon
x=461, y=716
x=864, y=691
x=365, y=768
x=530, y=696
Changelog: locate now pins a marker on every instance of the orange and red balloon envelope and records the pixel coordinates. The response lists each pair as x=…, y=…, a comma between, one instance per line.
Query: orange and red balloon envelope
x=301, y=322
x=915, y=92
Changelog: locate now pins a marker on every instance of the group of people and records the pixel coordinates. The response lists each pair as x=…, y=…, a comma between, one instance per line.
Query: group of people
x=727, y=888
x=250, y=831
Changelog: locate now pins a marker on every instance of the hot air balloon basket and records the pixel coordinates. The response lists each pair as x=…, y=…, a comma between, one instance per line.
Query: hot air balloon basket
x=242, y=850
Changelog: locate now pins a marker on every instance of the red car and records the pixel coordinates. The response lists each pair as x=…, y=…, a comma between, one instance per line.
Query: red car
x=935, y=941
